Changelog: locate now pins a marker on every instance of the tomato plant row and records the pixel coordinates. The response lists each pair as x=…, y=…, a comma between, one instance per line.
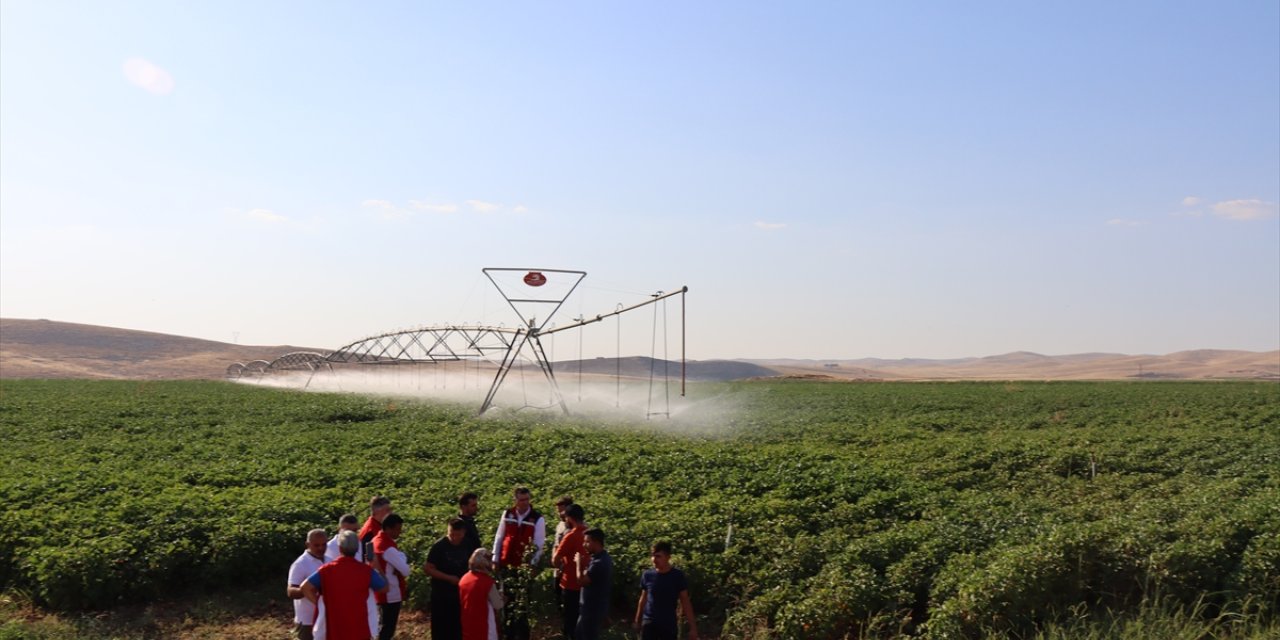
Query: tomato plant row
x=798, y=509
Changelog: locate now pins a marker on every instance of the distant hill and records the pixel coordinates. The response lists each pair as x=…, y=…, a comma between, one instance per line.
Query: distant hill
x=640, y=367
x=49, y=349
x=1024, y=365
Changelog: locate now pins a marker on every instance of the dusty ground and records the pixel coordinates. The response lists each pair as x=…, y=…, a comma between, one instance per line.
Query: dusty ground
x=260, y=613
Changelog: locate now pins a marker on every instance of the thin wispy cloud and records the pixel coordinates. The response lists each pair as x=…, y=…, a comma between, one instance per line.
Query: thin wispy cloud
x=770, y=226
x=1191, y=201
x=1245, y=210
x=480, y=206
x=384, y=209
x=265, y=216
x=146, y=75
x=1125, y=222
x=389, y=210
x=421, y=205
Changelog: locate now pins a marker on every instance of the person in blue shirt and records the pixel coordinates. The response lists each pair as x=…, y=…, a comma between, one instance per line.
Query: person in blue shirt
x=595, y=575
x=661, y=589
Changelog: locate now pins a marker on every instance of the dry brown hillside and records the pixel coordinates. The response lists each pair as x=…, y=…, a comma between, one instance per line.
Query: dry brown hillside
x=1183, y=365
x=48, y=349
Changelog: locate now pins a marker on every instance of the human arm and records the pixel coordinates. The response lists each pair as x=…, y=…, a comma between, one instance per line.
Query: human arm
x=539, y=540
x=440, y=575
x=311, y=587
x=498, y=535
x=644, y=597
x=686, y=605
x=495, y=598
x=396, y=561
x=583, y=565
x=378, y=583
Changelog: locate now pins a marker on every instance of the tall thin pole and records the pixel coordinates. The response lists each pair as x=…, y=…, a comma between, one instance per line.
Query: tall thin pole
x=682, y=339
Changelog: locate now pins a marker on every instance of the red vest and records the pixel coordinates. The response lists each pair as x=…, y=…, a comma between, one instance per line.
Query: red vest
x=344, y=584
x=516, y=536
x=381, y=543
x=473, y=591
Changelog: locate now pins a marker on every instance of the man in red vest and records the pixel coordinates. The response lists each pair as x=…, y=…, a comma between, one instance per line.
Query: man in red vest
x=394, y=566
x=379, y=509
x=345, y=584
x=517, y=544
x=565, y=558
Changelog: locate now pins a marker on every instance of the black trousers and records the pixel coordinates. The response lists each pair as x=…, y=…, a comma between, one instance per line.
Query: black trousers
x=446, y=615
x=651, y=631
x=389, y=616
x=569, y=605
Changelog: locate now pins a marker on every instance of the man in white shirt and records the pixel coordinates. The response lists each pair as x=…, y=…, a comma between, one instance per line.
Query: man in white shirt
x=347, y=522
x=304, y=611
x=518, y=542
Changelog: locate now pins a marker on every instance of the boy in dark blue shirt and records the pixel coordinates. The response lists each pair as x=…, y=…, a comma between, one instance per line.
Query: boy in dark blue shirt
x=662, y=587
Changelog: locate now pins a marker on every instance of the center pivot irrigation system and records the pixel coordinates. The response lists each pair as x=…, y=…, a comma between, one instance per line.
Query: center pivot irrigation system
x=534, y=294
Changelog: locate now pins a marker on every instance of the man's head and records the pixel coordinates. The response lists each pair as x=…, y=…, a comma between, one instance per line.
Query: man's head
x=593, y=541
x=348, y=543
x=393, y=525
x=660, y=553
x=457, y=531
x=380, y=507
x=523, y=499
x=574, y=515
x=348, y=522
x=562, y=504
x=317, y=540
x=468, y=504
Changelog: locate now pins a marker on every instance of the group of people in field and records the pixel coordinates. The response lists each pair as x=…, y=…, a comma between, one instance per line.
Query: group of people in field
x=351, y=586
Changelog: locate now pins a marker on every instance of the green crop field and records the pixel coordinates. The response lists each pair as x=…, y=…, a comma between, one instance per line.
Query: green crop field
x=799, y=509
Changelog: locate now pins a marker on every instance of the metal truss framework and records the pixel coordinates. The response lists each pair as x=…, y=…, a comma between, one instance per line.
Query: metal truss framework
x=454, y=343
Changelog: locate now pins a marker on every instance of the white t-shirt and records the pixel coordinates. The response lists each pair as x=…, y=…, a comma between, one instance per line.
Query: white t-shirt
x=303, y=611
x=331, y=552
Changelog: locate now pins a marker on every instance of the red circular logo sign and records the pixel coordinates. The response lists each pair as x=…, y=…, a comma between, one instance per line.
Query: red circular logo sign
x=535, y=279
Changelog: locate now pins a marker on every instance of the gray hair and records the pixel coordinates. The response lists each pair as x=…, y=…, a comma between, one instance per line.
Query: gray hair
x=348, y=543
x=481, y=560
x=316, y=533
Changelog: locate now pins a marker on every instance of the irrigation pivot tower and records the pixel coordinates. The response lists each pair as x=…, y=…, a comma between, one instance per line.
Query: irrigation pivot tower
x=526, y=296
x=535, y=295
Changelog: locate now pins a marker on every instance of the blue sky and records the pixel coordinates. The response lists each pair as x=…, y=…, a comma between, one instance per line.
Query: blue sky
x=831, y=180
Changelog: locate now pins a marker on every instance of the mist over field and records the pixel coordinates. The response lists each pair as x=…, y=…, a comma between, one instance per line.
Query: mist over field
x=628, y=401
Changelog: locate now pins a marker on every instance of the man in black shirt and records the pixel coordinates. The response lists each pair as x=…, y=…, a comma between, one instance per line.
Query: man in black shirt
x=446, y=564
x=468, y=506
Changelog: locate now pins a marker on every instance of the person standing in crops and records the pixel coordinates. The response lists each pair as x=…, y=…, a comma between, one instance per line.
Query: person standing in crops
x=348, y=522
x=595, y=574
x=395, y=568
x=304, y=611
x=480, y=598
x=447, y=562
x=379, y=509
x=522, y=532
x=561, y=528
x=661, y=589
x=342, y=590
x=565, y=559
x=468, y=507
